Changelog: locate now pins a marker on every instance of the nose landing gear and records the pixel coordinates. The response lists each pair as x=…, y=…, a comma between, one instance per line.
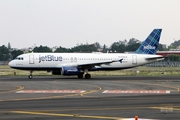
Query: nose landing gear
x=30, y=76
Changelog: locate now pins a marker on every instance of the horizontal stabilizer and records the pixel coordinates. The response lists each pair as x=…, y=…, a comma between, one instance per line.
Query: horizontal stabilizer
x=155, y=58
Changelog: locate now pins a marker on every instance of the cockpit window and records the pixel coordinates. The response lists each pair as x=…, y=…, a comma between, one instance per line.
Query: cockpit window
x=19, y=58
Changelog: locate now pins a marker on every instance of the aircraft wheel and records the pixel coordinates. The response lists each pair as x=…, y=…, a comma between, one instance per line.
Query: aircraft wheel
x=80, y=76
x=30, y=76
x=87, y=76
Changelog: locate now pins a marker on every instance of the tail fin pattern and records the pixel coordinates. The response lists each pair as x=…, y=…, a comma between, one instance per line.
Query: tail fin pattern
x=150, y=45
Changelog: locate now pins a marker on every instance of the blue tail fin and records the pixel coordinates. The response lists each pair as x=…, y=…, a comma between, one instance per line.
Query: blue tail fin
x=150, y=45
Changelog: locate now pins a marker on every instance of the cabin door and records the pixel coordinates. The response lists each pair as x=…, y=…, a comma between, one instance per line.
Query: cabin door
x=134, y=59
x=31, y=59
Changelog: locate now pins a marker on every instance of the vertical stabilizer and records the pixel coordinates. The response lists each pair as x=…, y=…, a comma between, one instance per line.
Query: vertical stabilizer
x=150, y=45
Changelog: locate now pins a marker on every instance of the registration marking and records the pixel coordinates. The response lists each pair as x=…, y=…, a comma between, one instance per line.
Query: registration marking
x=51, y=91
x=137, y=91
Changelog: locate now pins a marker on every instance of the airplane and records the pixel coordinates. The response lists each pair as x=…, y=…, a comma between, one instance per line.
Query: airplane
x=81, y=63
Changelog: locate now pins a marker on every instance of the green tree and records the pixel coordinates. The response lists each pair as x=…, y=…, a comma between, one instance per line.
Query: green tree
x=118, y=47
x=61, y=50
x=133, y=41
x=105, y=49
x=15, y=53
x=175, y=44
x=133, y=45
x=97, y=45
x=42, y=49
x=84, y=48
x=4, y=53
x=171, y=47
x=174, y=57
x=161, y=48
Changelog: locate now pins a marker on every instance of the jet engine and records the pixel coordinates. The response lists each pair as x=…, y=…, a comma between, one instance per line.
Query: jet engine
x=67, y=70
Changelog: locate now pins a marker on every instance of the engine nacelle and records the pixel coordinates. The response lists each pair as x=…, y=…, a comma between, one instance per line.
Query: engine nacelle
x=67, y=70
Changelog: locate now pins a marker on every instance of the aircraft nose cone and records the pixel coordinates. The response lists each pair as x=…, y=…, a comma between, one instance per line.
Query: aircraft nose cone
x=10, y=63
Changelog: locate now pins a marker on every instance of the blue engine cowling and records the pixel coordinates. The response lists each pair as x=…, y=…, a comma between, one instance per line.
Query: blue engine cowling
x=67, y=70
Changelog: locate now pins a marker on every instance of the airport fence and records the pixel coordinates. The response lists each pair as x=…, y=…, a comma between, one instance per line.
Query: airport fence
x=164, y=64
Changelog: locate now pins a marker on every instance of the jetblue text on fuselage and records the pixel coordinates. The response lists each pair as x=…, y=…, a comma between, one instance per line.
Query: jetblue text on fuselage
x=149, y=47
x=50, y=58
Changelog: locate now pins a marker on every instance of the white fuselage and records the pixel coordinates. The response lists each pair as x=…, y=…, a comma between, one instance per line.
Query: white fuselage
x=50, y=61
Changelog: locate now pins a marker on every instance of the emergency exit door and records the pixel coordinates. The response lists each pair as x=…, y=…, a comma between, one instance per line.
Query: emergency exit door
x=134, y=59
x=31, y=59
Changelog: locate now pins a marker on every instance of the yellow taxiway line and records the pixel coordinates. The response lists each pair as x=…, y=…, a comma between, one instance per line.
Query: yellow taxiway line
x=67, y=115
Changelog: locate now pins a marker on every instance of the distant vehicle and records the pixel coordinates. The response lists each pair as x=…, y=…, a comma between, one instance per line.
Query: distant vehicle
x=81, y=63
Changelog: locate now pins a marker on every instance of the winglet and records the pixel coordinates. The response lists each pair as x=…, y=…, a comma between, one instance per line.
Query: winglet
x=150, y=45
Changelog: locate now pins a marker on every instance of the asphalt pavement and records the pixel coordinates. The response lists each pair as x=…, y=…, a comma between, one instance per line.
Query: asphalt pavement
x=104, y=98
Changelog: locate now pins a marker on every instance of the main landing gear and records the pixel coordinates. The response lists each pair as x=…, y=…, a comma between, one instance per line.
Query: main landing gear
x=87, y=75
x=30, y=76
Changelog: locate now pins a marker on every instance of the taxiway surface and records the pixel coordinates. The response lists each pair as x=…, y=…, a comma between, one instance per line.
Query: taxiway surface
x=106, y=98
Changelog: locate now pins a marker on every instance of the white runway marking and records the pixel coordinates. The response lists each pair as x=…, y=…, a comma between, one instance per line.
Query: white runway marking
x=137, y=91
x=51, y=91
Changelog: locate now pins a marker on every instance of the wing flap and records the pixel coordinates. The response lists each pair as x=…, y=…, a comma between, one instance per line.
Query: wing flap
x=98, y=63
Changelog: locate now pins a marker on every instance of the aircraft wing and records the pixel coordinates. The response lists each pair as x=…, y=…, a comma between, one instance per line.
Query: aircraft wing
x=97, y=63
x=90, y=64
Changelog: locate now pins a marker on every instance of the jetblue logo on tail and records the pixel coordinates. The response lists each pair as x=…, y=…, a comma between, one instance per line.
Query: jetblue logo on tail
x=149, y=47
x=150, y=44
